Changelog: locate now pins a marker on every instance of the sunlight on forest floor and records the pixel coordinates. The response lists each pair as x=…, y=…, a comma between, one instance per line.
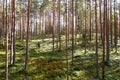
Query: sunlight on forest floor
x=46, y=65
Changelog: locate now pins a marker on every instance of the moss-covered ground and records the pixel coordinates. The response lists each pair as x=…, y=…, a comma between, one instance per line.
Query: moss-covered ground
x=47, y=65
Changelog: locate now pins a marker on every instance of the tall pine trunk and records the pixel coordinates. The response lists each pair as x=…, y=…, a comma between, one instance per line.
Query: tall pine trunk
x=72, y=30
x=111, y=29
x=115, y=27
x=66, y=41
x=96, y=26
x=14, y=35
x=59, y=26
x=103, y=41
x=90, y=22
x=76, y=20
x=53, y=34
x=21, y=20
x=107, y=33
x=6, y=62
x=27, y=38
x=101, y=27
x=85, y=31
x=2, y=36
x=12, y=54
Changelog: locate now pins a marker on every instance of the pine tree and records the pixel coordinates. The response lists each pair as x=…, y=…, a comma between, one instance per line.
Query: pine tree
x=6, y=69
x=96, y=26
x=27, y=38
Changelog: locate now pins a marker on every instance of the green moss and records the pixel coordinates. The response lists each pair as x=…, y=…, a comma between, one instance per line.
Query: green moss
x=47, y=65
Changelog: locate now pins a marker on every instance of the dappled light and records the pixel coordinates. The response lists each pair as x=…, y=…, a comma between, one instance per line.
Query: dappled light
x=60, y=40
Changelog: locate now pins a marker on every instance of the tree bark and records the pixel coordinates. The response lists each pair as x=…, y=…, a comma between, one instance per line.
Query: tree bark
x=72, y=30
x=14, y=35
x=6, y=69
x=90, y=22
x=12, y=53
x=103, y=42
x=66, y=41
x=107, y=34
x=85, y=36
x=115, y=27
x=53, y=34
x=119, y=21
x=111, y=29
x=27, y=38
x=101, y=27
x=23, y=29
x=96, y=26
x=59, y=27
x=2, y=36
x=21, y=20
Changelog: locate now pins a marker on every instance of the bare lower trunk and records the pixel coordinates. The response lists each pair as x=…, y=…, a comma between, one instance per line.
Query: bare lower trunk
x=66, y=40
x=53, y=24
x=103, y=41
x=96, y=25
x=2, y=36
x=72, y=30
x=27, y=38
x=6, y=69
x=11, y=50
x=107, y=36
x=14, y=36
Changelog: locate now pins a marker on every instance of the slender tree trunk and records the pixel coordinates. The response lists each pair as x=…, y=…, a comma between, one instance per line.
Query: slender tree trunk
x=69, y=23
x=27, y=38
x=45, y=25
x=34, y=34
x=90, y=23
x=96, y=26
x=6, y=69
x=119, y=21
x=115, y=27
x=85, y=36
x=42, y=24
x=76, y=20
x=23, y=29
x=107, y=34
x=59, y=27
x=21, y=20
x=36, y=24
x=111, y=32
x=39, y=24
x=14, y=35
x=101, y=27
x=31, y=36
x=67, y=39
x=72, y=30
x=103, y=41
x=11, y=46
x=53, y=34
x=2, y=36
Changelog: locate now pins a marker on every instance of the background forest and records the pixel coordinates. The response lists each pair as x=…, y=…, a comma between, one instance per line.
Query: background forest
x=59, y=39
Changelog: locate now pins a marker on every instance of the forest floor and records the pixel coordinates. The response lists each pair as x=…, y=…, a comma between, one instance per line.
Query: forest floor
x=47, y=65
